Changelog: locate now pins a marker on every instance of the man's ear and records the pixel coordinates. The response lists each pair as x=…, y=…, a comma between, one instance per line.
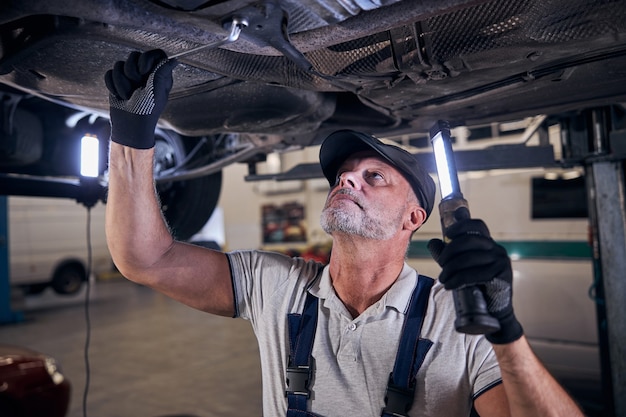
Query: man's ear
x=416, y=217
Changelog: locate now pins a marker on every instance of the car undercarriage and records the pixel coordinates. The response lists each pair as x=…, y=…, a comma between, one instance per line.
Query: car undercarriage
x=298, y=71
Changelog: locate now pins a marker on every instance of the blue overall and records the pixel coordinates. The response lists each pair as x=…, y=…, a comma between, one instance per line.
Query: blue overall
x=401, y=384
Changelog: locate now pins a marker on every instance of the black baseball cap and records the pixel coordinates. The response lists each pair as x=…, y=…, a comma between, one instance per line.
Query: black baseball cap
x=338, y=146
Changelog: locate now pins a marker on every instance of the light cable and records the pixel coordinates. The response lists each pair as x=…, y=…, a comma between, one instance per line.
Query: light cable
x=87, y=318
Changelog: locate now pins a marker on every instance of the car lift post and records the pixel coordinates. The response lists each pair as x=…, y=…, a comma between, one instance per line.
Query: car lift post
x=607, y=191
x=7, y=315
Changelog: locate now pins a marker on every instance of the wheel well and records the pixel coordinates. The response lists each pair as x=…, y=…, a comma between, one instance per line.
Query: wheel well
x=71, y=263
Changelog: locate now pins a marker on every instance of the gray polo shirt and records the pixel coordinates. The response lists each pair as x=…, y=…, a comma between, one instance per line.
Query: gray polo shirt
x=353, y=357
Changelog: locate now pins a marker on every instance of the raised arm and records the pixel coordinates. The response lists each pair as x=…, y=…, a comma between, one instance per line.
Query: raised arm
x=471, y=257
x=138, y=237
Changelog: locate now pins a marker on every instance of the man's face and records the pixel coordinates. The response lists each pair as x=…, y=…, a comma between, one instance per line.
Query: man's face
x=369, y=199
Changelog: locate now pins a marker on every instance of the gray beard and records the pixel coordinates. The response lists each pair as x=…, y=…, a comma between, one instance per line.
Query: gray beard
x=337, y=220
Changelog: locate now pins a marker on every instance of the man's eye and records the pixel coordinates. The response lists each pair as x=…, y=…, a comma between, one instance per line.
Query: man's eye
x=377, y=175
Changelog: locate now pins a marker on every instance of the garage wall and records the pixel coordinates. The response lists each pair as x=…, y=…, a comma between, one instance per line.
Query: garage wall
x=242, y=201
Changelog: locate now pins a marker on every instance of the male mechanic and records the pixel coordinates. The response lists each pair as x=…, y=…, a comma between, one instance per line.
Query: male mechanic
x=330, y=337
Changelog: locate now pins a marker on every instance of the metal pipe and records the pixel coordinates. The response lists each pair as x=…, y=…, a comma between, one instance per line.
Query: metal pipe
x=237, y=24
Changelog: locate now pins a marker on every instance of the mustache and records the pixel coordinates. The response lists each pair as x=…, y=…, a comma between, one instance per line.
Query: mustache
x=346, y=191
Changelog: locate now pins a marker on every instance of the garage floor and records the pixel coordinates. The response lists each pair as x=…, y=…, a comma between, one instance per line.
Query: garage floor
x=149, y=356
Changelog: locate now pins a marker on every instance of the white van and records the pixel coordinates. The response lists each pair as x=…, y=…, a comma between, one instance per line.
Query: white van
x=48, y=244
x=551, y=259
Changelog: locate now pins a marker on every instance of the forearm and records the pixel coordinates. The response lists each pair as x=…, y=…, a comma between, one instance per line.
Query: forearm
x=137, y=235
x=530, y=389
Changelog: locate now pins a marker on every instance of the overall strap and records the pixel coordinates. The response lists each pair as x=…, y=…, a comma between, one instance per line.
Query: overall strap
x=299, y=372
x=401, y=385
x=412, y=351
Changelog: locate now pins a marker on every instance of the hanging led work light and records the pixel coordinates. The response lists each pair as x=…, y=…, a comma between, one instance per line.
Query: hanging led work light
x=90, y=190
x=89, y=156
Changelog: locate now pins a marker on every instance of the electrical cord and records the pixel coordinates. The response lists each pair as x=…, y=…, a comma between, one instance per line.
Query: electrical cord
x=87, y=318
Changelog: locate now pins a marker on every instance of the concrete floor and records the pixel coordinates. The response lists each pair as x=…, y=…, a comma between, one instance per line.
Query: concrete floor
x=150, y=356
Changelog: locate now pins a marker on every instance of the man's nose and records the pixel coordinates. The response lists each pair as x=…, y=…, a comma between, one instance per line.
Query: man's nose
x=349, y=179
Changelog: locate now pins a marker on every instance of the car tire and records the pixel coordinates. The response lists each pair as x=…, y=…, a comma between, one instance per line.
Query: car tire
x=68, y=279
x=187, y=205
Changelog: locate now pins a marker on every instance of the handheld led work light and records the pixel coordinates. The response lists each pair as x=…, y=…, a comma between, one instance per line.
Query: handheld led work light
x=472, y=316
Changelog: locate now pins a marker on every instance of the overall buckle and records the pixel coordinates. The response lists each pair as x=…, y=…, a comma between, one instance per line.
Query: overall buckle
x=398, y=400
x=298, y=380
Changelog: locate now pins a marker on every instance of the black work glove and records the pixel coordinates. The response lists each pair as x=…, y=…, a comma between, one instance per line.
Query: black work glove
x=138, y=88
x=472, y=257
